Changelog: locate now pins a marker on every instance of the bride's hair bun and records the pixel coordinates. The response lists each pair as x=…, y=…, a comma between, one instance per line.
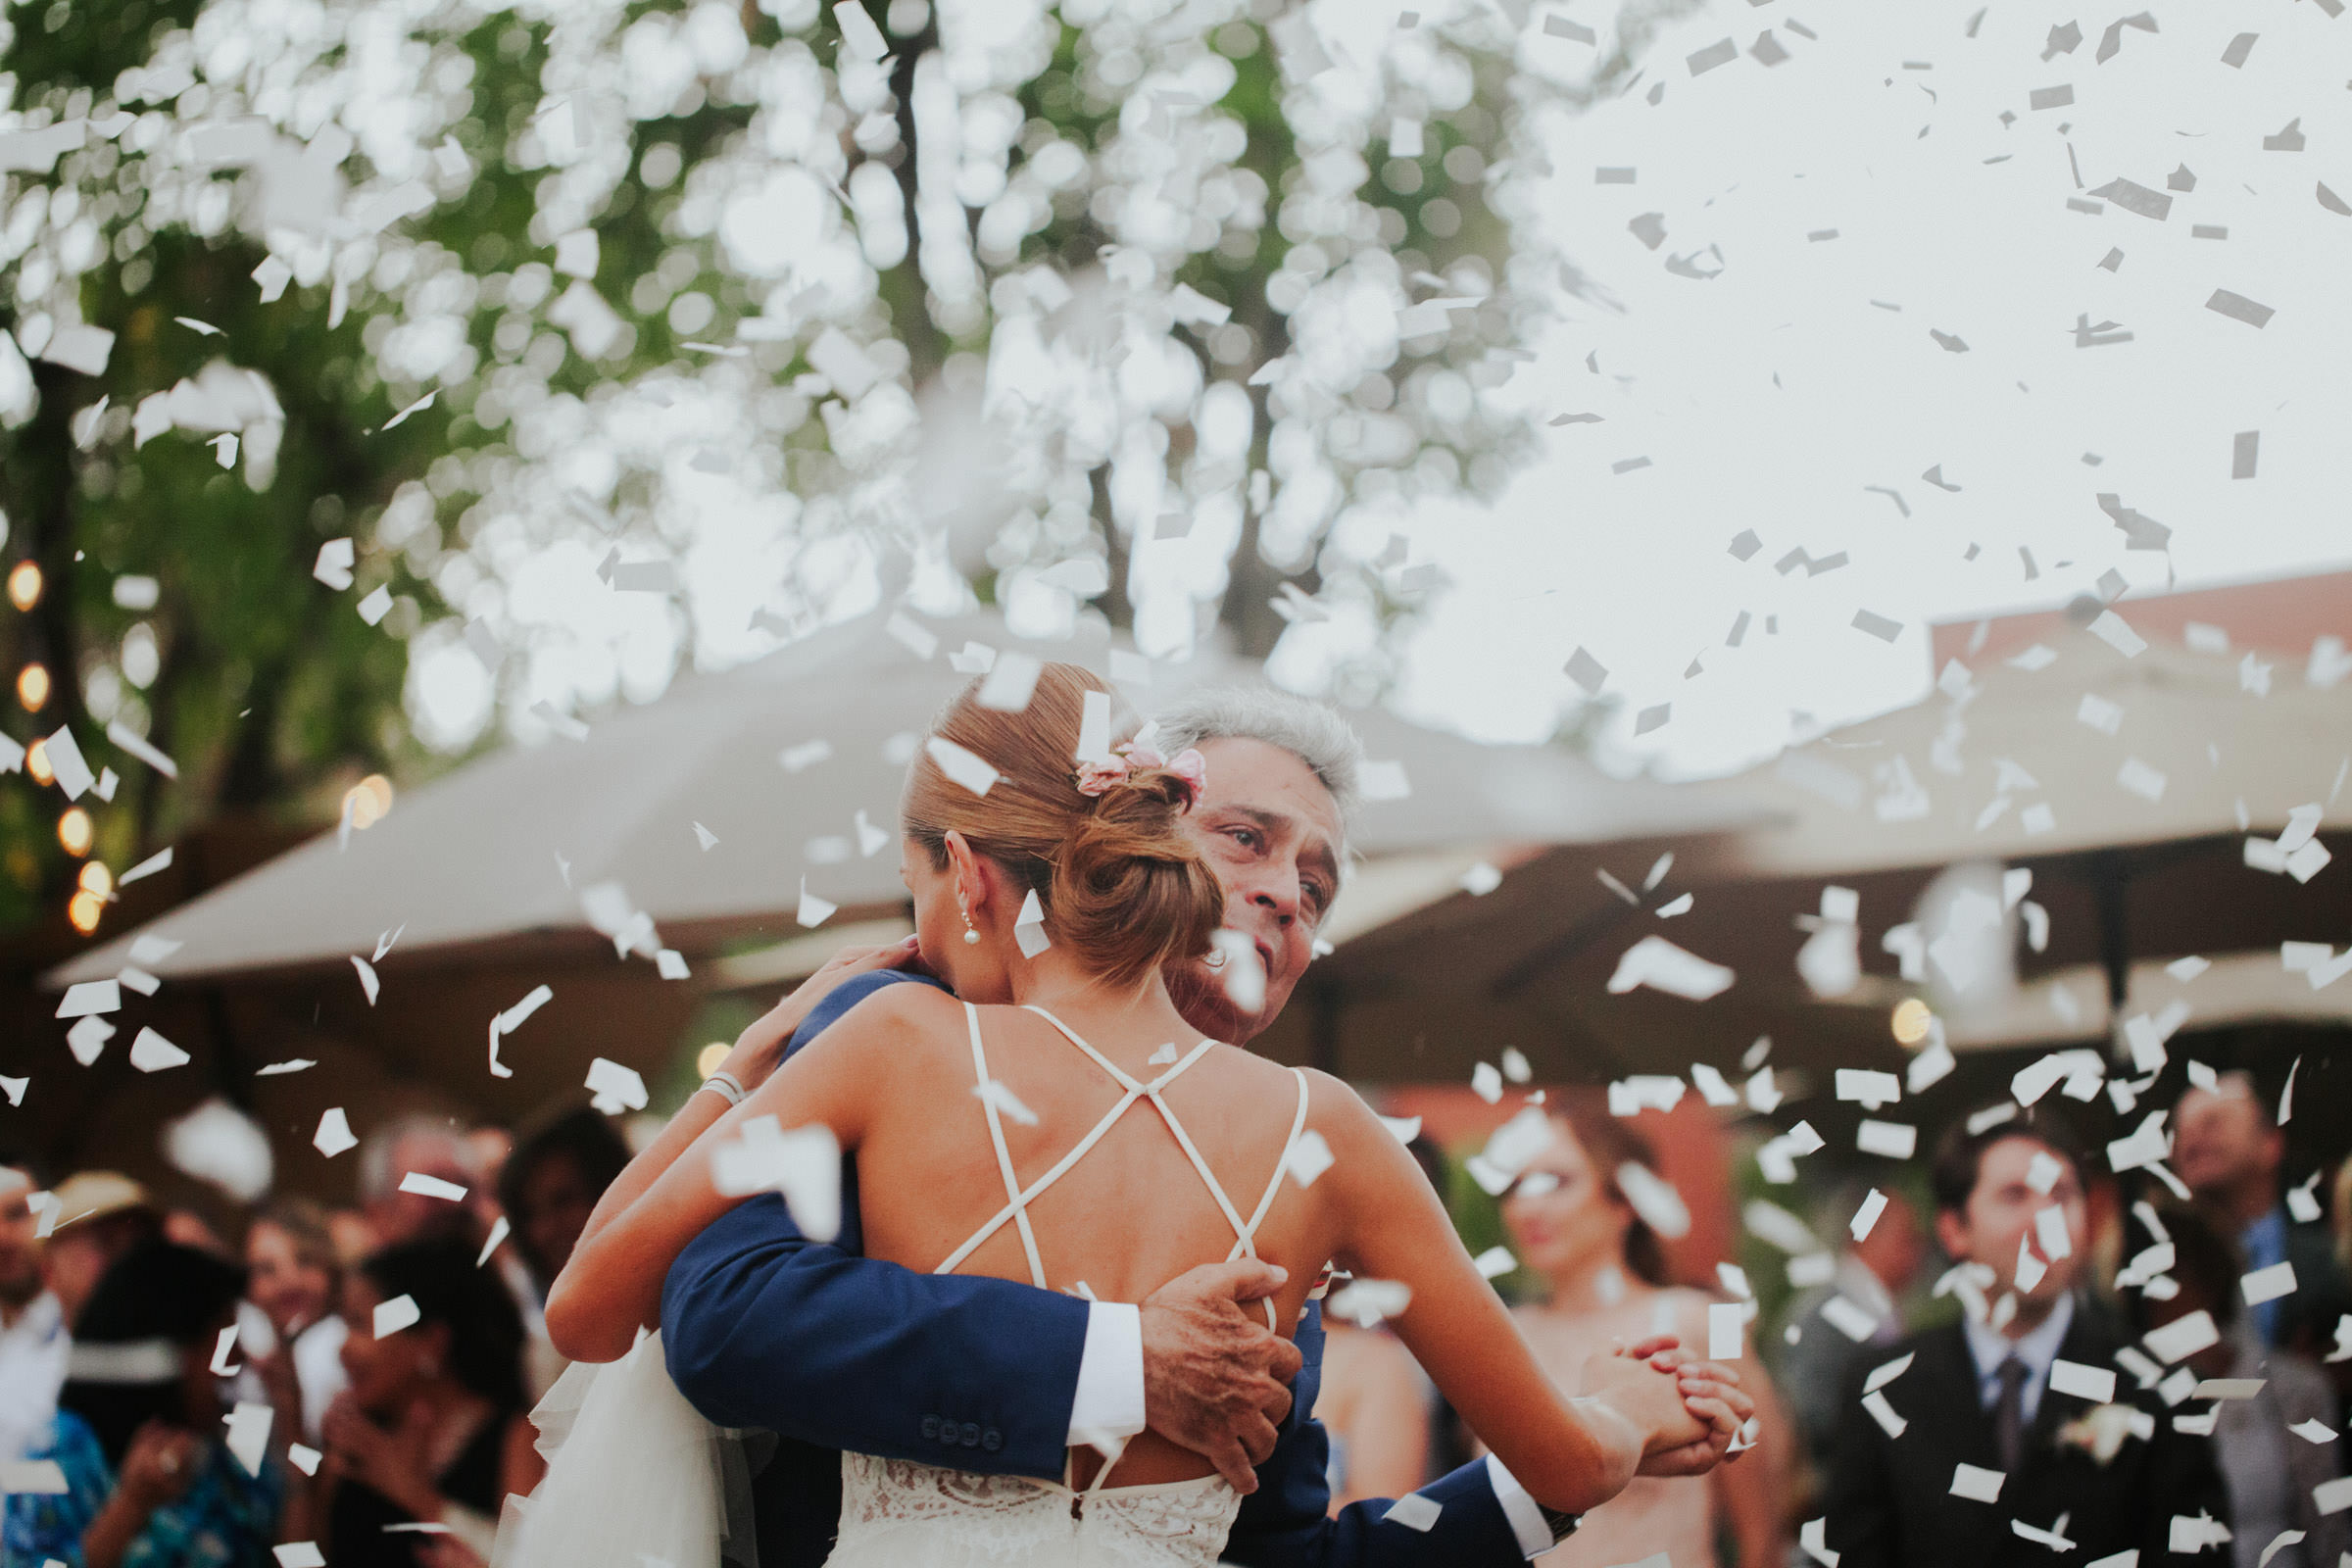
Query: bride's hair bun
x=1123, y=888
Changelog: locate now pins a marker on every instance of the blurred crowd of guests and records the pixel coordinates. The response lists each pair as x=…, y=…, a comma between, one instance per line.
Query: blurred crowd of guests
x=118, y=1372
x=1886, y=1313
x=396, y=1450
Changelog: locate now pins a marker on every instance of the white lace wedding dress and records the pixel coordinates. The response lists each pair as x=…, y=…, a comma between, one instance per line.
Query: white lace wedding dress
x=636, y=1444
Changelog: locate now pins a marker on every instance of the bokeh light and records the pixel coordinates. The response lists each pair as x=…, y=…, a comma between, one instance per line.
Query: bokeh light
x=76, y=831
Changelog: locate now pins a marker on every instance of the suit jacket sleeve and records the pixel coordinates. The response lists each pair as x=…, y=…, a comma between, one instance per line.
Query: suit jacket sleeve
x=763, y=1328
x=1284, y=1524
x=1858, y=1502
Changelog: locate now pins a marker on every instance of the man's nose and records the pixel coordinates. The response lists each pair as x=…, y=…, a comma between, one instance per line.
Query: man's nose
x=1278, y=899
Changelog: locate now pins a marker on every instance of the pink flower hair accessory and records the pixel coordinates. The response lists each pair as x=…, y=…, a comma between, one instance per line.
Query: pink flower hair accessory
x=1097, y=778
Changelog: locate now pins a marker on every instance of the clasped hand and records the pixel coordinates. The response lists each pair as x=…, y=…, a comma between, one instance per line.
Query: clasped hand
x=1689, y=1410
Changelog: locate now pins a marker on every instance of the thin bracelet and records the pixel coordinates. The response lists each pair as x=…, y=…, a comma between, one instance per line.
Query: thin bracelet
x=726, y=1086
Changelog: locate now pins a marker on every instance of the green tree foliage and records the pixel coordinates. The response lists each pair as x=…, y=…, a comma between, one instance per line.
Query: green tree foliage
x=1006, y=310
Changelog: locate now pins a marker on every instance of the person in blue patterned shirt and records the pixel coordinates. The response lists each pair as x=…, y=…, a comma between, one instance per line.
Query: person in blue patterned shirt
x=137, y=1435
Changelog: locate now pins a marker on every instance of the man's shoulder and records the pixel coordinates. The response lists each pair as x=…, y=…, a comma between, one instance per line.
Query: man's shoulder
x=2313, y=1248
x=2098, y=1330
x=852, y=991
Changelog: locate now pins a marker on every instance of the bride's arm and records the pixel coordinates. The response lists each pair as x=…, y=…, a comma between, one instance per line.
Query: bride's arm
x=612, y=1282
x=1570, y=1454
x=754, y=1057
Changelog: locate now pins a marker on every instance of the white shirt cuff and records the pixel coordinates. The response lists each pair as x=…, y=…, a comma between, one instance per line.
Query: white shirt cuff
x=1110, y=1402
x=1526, y=1519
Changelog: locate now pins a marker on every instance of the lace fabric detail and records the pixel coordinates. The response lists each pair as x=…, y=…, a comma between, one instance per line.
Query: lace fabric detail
x=895, y=1512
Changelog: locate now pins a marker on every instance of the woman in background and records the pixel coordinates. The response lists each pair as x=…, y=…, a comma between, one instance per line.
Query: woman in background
x=150, y=1481
x=548, y=1187
x=431, y=1430
x=293, y=1280
x=549, y=1184
x=1572, y=1225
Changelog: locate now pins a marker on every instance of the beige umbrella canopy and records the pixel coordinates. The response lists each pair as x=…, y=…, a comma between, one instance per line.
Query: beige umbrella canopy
x=776, y=759
x=483, y=874
x=2131, y=874
x=2064, y=746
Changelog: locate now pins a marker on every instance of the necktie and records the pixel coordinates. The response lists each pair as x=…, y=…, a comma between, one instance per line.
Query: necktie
x=2009, y=1412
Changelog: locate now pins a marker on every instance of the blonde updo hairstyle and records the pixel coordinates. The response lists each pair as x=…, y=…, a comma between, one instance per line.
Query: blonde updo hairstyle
x=1123, y=889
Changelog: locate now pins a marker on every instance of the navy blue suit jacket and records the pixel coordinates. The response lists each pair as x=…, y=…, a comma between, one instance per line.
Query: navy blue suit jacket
x=831, y=1350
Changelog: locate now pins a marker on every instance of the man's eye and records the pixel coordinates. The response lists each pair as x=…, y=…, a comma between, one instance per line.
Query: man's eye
x=1247, y=837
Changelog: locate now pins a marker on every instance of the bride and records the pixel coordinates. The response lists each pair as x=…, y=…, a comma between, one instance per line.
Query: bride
x=1055, y=1120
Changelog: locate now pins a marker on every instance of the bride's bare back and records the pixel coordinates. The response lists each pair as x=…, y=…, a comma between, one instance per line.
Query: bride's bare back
x=1132, y=1212
x=1104, y=854
x=895, y=1080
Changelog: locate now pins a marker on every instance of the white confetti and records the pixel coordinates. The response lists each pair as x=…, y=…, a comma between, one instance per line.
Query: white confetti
x=961, y=765
x=152, y=1053
x=1309, y=1159
x=398, y=1313
x=1658, y=963
x=333, y=1136
x=613, y=1087
x=1977, y=1483
x=426, y=1186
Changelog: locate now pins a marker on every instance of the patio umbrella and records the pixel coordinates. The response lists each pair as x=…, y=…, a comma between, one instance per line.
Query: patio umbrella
x=776, y=760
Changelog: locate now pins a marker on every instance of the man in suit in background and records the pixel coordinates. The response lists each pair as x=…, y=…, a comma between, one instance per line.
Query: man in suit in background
x=1970, y=1456
x=2228, y=1150
x=827, y=1350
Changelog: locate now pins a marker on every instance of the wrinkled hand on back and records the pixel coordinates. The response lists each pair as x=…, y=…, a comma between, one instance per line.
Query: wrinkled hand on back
x=1216, y=1378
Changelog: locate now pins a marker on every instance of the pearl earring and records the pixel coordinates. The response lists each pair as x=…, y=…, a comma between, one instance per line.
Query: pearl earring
x=971, y=934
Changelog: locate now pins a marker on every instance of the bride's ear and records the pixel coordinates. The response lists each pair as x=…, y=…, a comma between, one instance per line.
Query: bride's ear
x=970, y=872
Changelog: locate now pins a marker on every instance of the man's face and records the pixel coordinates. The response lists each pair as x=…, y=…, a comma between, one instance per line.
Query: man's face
x=2002, y=1210
x=398, y=1216
x=19, y=1253
x=2221, y=1141
x=78, y=1254
x=1271, y=832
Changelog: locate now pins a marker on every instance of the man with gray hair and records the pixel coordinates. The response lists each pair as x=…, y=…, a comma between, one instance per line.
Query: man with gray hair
x=428, y=1145
x=764, y=1329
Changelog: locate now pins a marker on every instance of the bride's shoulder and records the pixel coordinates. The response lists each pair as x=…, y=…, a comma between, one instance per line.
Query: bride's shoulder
x=1342, y=1116
x=895, y=1014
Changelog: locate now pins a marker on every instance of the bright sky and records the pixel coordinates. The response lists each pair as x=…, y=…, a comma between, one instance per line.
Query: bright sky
x=1900, y=161
x=1767, y=397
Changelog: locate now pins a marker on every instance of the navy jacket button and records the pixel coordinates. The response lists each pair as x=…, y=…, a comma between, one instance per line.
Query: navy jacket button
x=930, y=1426
x=972, y=1434
x=991, y=1440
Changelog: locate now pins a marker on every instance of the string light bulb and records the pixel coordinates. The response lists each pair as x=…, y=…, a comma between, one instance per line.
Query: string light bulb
x=84, y=909
x=368, y=802
x=75, y=831
x=32, y=687
x=25, y=585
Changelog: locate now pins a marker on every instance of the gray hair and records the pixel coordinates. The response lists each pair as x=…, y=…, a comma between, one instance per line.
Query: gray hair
x=377, y=1178
x=1311, y=731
